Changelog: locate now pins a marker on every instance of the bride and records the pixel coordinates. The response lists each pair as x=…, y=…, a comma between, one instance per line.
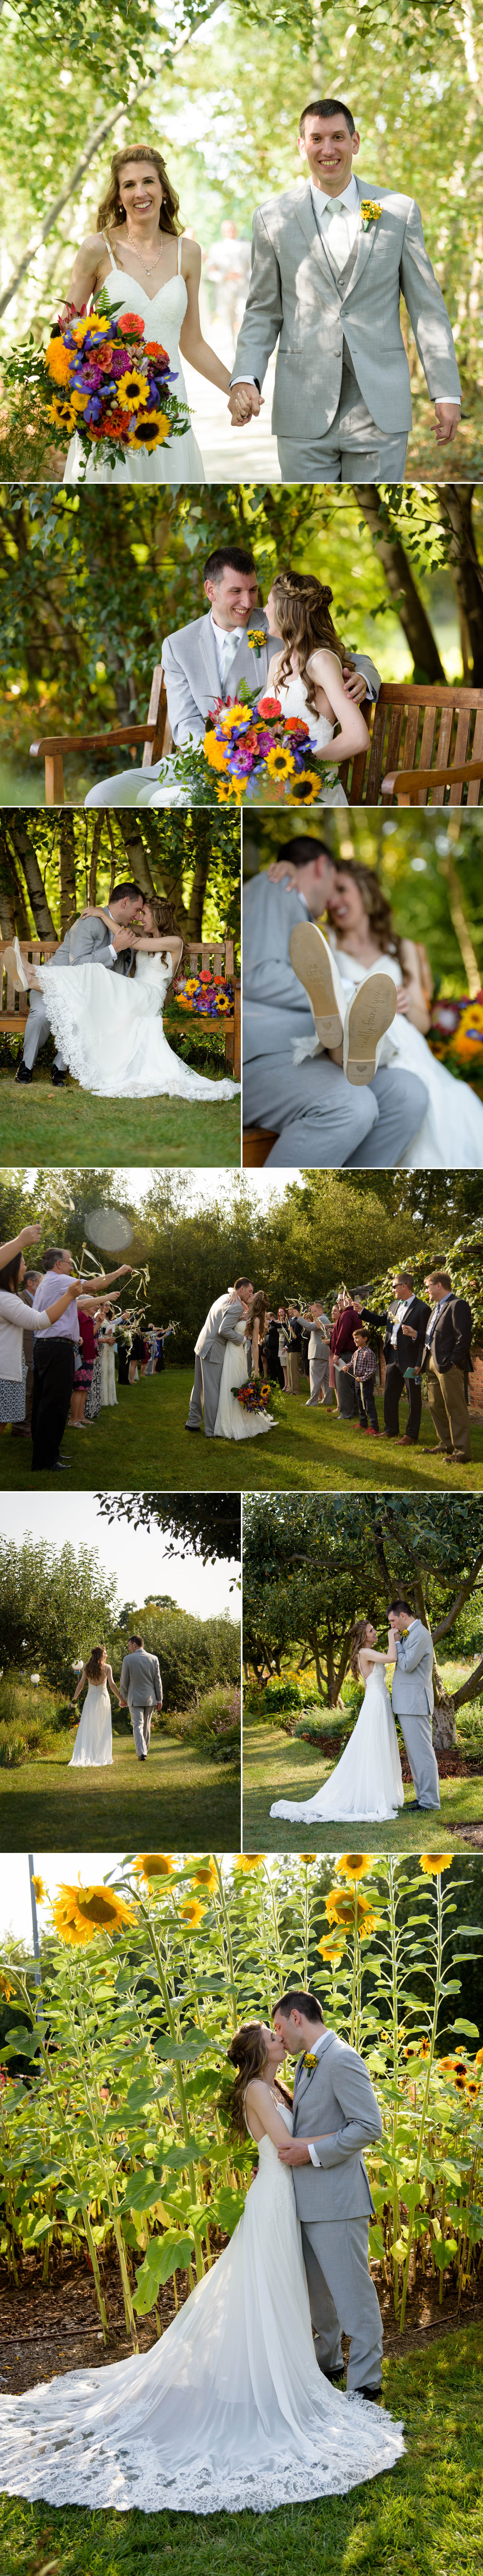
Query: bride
x=232, y=1420
x=137, y=239
x=362, y=938
x=93, y=1743
x=307, y=674
x=110, y=1027
x=366, y=1786
x=229, y=2409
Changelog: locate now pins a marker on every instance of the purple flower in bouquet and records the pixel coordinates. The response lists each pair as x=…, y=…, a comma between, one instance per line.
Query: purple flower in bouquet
x=93, y=408
x=266, y=743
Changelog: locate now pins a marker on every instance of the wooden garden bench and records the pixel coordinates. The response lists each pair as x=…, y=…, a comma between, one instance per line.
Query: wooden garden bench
x=155, y=735
x=426, y=746
x=215, y=954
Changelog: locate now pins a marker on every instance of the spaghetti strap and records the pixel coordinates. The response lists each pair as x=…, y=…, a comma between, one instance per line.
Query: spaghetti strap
x=180, y=246
x=107, y=246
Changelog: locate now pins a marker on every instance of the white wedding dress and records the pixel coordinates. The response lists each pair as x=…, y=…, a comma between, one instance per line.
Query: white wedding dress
x=178, y=460
x=366, y=1786
x=451, y=1134
x=93, y=1743
x=229, y=2410
x=293, y=701
x=110, y=1029
x=108, y=1373
x=232, y=1422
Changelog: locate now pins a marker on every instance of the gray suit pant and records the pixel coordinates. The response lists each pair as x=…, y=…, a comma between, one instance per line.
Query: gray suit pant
x=141, y=1727
x=319, y=1377
x=36, y=1031
x=322, y=1120
x=131, y=787
x=417, y=1736
x=343, y=2298
x=353, y=450
x=205, y=1393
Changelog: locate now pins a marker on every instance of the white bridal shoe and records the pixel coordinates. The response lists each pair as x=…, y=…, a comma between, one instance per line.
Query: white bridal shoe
x=316, y=968
x=15, y=967
x=367, y=1017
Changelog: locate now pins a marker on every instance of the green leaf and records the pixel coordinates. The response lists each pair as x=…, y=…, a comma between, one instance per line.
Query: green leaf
x=165, y=2255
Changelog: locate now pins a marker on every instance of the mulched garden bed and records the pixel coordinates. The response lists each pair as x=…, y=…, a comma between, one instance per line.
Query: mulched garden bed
x=44, y=2332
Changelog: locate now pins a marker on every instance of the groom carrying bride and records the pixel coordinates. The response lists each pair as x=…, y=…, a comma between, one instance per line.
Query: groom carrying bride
x=329, y=264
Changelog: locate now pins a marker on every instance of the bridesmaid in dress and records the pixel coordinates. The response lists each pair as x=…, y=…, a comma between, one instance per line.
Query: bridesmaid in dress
x=137, y=242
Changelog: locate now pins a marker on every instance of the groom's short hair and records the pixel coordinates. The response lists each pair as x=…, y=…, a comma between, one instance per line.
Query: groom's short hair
x=296, y=2001
x=402, y=1604
x=227, y=559
x=119, y=891
x=241, y=1283
x=135, y=1641
x=327, y=107
x=303, y=849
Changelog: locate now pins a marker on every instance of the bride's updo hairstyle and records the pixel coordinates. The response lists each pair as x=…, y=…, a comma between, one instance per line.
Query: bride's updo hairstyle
x=247, y=2052
x=358, y=1638
x=257, y=1311
x=376, y=906
x=111, y=211
x=95, y=1666
x=164, y=918
x=305, y=625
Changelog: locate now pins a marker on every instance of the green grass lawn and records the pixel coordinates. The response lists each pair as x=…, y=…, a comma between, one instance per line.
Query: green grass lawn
x=277, y=1766
x=39, y=1124
x=144, y=1443
x=186, y=1800
x=425, y=2514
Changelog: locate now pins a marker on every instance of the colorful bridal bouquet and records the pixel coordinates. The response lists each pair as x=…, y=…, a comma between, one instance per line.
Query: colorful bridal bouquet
x=456, y=1035
x=255, y=1396
x=253, y=746
x=99, y=376
x=211, y=996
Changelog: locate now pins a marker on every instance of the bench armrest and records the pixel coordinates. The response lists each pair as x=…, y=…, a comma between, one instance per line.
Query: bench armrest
x=410, y=784
x=54, y=742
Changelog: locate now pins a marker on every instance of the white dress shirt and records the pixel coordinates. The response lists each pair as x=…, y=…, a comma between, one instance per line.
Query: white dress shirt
x=338, y=220
x=15, y=1320
x=308, y=2142
x=401, y=1310
x=442, y=1301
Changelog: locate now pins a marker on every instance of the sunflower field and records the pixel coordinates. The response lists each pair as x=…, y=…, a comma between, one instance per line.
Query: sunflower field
x=115, y=2090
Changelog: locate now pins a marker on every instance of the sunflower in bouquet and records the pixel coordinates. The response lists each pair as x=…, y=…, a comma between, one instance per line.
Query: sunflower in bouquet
x=100, y=377
x=256, y=749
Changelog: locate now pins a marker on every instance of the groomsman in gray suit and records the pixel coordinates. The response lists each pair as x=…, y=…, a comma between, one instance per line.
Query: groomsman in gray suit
x=413, y=1699
x=320, y=1118
x=141, y=1691
x=330, y=262
x=207, y=659
x=99, y=942
x=210, y=1349
x=319, y=1355
x=335, y=2117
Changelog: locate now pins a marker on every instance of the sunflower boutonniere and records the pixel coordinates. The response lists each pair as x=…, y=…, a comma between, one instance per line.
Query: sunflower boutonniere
x=370, y=213
x=256, y=638
x=310, y=2060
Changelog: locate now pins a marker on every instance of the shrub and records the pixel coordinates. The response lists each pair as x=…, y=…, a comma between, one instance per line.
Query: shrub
x=290, y=1694
x=194, y=1654
x=213, y=1727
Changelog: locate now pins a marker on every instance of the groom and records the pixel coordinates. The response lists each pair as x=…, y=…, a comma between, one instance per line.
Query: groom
x=335, y=2117
x=207, y=660
x=89, y=941
x=220, y=1328
x=413, y=1698
x=319, y=1117
x=141, y=1691
x=329, y=264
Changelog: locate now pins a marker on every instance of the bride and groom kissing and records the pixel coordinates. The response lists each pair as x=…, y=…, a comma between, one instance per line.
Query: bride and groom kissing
x=366, y=1786
x=239, y=2403
x=108, y=1026
x=226, y=1357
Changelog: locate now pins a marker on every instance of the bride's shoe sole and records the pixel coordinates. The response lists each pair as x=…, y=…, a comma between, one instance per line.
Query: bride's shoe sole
x=368, y=1017
x=312, y=962
x=17, y=977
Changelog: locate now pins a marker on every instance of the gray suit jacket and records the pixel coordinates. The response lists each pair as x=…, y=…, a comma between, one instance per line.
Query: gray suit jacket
x=275, y=1006
x=319, y=1341
x=192, y=676
x=297, y=298
x=140, y=1681
x=88, y=943
x=218, y=1330
x=336, y=2107
x=412, y=1688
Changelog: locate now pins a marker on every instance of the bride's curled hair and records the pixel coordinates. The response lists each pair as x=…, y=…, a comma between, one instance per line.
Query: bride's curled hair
x=96, y=1665
x=111, y=211
x=358, y=1638
x=257, y=1312
x=164, y=921
x=247, y=2052
x=305, y=625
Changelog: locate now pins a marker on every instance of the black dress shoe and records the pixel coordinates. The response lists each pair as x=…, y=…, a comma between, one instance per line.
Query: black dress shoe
x=57, y=1078
x=336, y=2376
x=192, y=1426
x=24, y=1072
x=373, y=2393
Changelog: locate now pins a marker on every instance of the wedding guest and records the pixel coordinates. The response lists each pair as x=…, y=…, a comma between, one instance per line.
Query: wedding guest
x=364, y=1373
x=22, y=1430
x=14, y=1325
x=320, y=1392
x=404, y=1326
x=335, y=1312
x=83, y=1370
x=94, y=1391
x=55, y=1361
x=448, y=1364
x=108, y=1372
x=343, y=1347
x=283, y=1347
x=294, y=1347
x=271, y=1349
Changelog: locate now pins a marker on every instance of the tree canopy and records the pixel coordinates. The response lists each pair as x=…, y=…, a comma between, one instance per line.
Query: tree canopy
x=55, y=1604
x=204, y=1525
x=312, y=1564
x=51, y=864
